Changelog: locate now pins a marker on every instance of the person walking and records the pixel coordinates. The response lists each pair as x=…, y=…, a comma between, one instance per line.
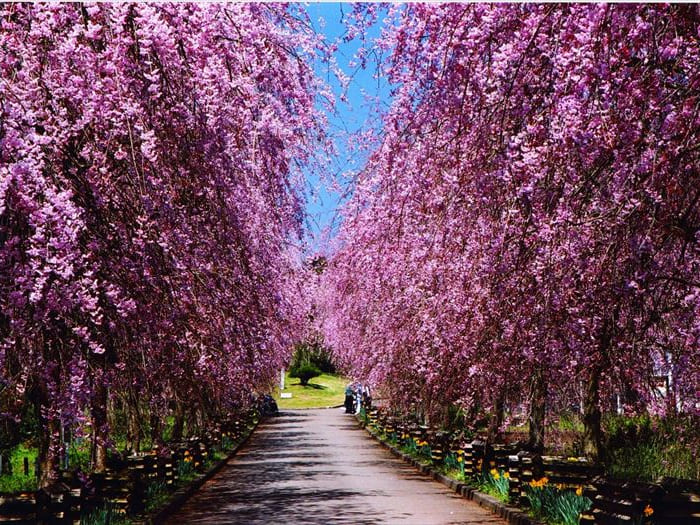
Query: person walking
x=349, y=409
x=366, y=398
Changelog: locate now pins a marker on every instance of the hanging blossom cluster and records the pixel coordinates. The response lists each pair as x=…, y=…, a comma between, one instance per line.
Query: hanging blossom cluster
x=531, y=209
x=149, y=197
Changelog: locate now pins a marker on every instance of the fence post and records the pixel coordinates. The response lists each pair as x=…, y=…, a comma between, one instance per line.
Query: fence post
x=530, y=469
x=53, y=505
x=138, y=480
x=74, y=496
x=514, y=474
x=474, y=458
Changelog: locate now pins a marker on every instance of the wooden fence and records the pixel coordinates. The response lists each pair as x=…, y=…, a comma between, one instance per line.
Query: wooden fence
x=124, y=487
x=614, y=502
x=617, y=502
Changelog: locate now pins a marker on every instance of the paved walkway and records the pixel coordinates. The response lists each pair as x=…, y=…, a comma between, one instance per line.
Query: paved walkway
x=317, y=466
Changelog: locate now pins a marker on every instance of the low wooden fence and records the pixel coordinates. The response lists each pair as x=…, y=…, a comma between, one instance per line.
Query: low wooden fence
x=614, y=502
x=124, y=487
x=618, y=502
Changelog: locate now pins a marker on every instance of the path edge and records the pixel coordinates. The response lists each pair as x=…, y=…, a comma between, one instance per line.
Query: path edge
x=181, y=495
x=511, y=514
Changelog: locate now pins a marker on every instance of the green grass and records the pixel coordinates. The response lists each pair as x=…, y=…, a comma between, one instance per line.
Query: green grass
x=105, y=515
x=18, y=482
x=157, y=495
x=649, y=461
x=645, y=448
x=322, y=391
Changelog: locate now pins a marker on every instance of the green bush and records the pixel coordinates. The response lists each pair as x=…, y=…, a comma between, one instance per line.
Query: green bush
x=305, y=372
x=313, y=354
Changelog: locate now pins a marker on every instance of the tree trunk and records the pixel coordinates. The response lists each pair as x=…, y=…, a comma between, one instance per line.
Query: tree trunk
x=100, y=427
x=194, y=423
x=179, y=423
x=538, y=408
x=156, y=429
x=49, y=439
x=48, y=453
x=592, y=433
x=494, y=430
x=133, y=421
x=134, y=431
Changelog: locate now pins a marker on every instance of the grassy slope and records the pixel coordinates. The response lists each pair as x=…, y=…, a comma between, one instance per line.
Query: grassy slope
x=323, y=391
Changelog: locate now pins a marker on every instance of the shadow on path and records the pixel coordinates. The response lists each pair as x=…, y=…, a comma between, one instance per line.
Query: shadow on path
x=317, y=466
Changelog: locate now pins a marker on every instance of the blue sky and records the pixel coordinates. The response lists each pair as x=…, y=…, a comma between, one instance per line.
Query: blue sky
x=349, y=117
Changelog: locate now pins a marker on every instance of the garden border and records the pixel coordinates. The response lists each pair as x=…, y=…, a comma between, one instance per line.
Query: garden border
x=511, y=514
x=180, y=496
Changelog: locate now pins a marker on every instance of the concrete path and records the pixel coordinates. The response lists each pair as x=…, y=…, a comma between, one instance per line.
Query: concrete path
x=317, y=466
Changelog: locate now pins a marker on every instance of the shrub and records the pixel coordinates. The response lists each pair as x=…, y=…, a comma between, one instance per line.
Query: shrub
x=313, y=354
x=304, y=373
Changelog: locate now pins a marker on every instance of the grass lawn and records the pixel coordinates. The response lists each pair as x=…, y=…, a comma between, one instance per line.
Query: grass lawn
x=323, y=391
x=18, y=482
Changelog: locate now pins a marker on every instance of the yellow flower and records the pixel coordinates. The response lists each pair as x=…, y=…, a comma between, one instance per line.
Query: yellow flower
x=460, y=459
x=539, y=483
x=648, y=511
x=188, y=459
x=496, y=476
x=494, y=472
x=579, y=491
x=560, y=486
x=506, y=475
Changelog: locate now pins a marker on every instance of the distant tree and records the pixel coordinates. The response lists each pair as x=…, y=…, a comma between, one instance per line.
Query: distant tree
x=304, y=372
x=313, y=353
